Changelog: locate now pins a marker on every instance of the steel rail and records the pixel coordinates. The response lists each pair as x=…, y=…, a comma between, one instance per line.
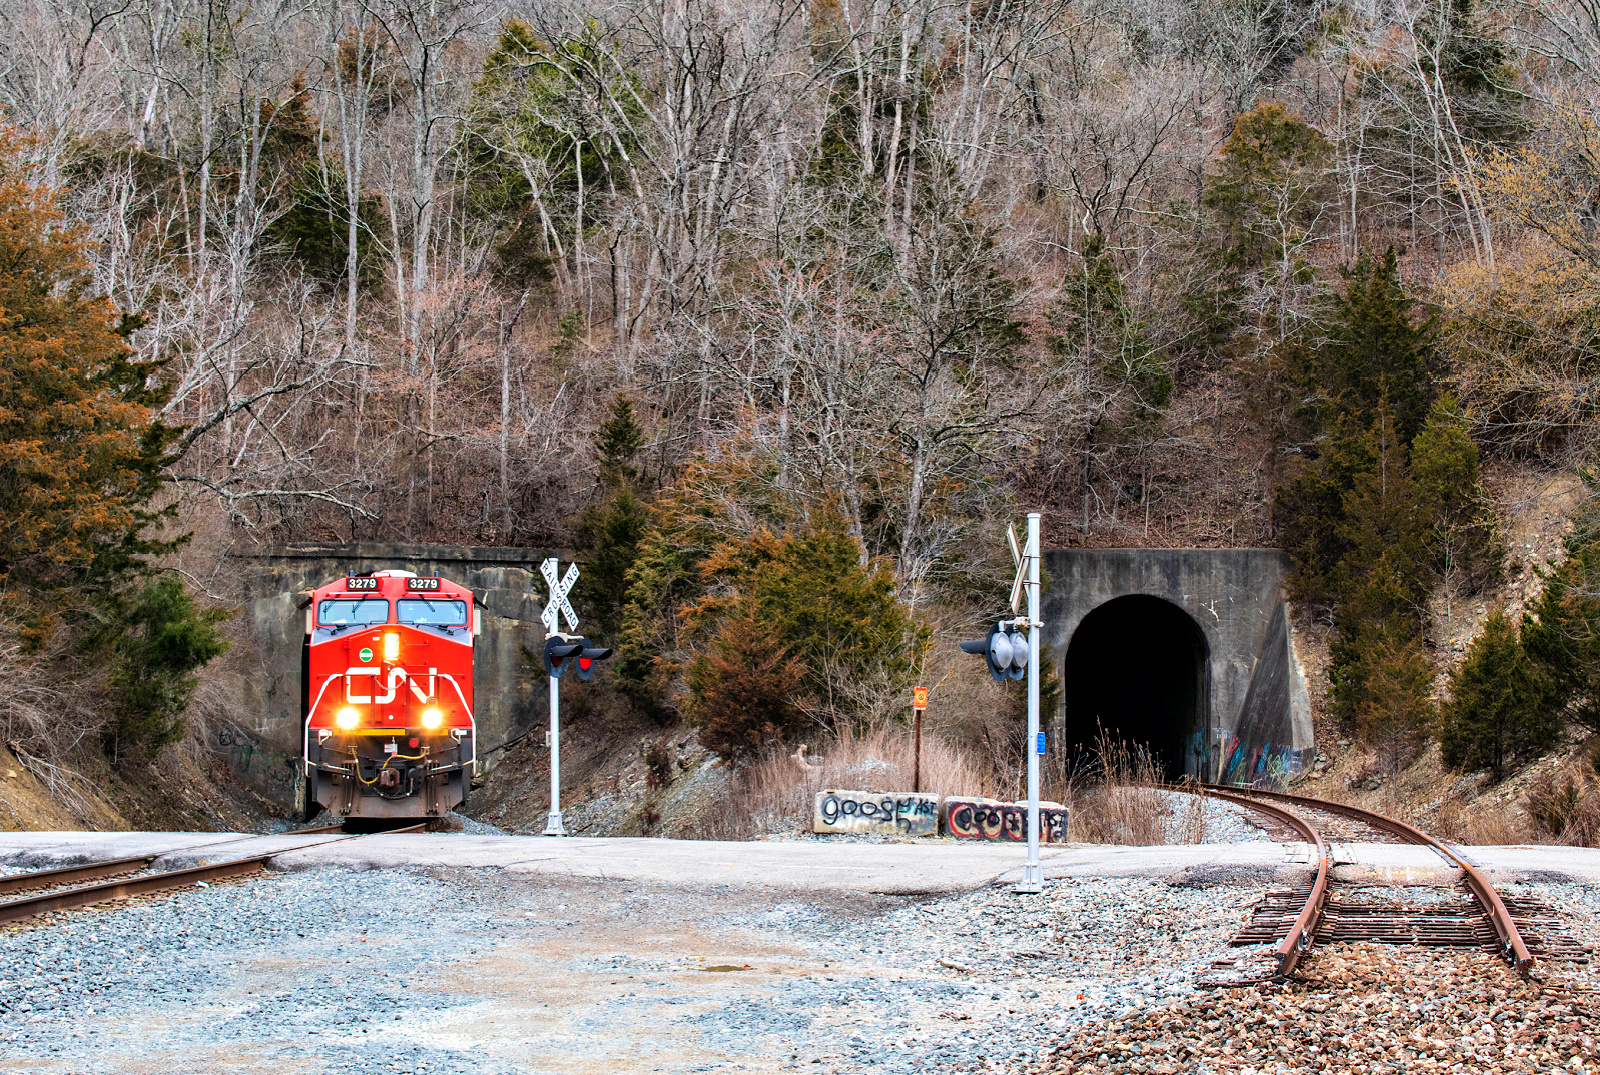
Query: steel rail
x=128, y=887
x=1512, y=945
x=112, y=867
x=1297, y=942
x=87, y=872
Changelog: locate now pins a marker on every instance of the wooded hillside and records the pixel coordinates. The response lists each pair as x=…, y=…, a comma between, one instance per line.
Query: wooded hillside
x=721, y=293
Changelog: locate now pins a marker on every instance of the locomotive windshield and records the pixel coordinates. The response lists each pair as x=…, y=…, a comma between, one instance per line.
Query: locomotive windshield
x=345, y=611
x=433, y=613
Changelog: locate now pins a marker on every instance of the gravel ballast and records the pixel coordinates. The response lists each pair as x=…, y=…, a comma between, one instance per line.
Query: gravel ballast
x=490, y=971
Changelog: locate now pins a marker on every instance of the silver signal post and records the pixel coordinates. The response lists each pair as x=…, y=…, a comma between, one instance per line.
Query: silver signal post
x=1010, y=655
x=1032, y=872
x=557, y=608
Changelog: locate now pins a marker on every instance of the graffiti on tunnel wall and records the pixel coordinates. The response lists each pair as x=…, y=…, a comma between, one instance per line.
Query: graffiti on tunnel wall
x=1267, y=765
x=248, y=760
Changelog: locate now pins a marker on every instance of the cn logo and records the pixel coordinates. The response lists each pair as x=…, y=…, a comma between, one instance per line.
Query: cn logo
x=391, y=688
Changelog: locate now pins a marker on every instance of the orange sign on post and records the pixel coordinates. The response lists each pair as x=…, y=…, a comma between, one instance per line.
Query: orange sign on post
x=919, y=702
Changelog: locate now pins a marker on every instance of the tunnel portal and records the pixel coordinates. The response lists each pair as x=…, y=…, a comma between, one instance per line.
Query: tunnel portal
x=1137, y=668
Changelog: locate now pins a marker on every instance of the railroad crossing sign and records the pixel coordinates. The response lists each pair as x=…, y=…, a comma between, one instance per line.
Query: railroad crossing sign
x=558, y=605
x=919, y=698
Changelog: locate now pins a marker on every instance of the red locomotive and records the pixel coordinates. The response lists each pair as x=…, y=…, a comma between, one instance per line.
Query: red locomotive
x=387, y=695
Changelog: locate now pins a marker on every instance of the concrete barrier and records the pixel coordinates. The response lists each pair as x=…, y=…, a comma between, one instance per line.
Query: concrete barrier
x=896, y=813
x=990, y=819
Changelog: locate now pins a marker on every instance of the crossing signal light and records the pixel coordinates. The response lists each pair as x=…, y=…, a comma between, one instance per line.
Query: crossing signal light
x=1004, y=651
x=559, y=654
x=589, y=656
x=562, y=652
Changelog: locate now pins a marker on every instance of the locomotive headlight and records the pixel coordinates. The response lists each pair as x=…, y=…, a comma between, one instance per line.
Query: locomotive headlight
x=348, y=718
x=391, y=647
x=432, y=718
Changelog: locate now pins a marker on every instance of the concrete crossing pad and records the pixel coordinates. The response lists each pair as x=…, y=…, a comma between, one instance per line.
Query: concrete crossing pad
x=930, y=867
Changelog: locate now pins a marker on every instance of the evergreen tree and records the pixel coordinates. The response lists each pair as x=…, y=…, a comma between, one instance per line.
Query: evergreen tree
x=82, y=452
x=1374, y=351
x=1383, y=529
x=1396, y=713
x=1383, y=574
x=618, y=442
x=1097, y=322
x=160, y=639
x=1444, y=468
x=612, y=530
x=839, y=617
x=1500, y=708
x=659, y=579
x=1308, y=509
x=1267, y=189
x=81, y=447
x=315, y=228
x=1562, y=633
x=743, y=688
x=1379, y=615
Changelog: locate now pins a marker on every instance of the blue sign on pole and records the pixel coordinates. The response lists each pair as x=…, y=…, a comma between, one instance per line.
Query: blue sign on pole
x=1039, y=746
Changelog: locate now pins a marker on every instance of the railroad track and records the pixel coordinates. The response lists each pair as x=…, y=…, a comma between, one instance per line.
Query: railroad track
x=56, y=898
x=1304, y=915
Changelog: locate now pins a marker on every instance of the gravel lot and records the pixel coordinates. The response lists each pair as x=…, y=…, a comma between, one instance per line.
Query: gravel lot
x=484, y=971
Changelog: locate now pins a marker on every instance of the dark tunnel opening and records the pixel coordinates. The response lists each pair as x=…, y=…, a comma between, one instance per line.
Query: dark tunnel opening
x=1137, y=668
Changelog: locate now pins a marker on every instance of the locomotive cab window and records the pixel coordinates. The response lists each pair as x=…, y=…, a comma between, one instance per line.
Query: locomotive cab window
x=352, y=611
x=433, y=612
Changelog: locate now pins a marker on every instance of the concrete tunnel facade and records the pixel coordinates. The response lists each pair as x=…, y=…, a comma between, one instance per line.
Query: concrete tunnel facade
x=262, y=744
x=1186, y=651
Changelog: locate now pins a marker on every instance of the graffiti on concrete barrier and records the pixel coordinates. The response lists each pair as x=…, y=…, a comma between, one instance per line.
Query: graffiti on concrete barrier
x=989, y=819
x=974, y=819
x=900, y=813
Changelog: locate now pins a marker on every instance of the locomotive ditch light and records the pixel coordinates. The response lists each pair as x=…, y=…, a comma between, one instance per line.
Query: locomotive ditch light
x=348, y=718
x=559, y=654
x=589, y=656
x=432, y=718
x=391, y=647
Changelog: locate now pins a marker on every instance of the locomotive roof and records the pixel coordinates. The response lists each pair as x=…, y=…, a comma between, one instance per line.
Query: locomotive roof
x=392, y=583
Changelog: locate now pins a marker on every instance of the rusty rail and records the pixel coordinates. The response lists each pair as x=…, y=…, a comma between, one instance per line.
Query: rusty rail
x=129, y=887
x=1512, y=945
x=89, y=871
x=1297, y=942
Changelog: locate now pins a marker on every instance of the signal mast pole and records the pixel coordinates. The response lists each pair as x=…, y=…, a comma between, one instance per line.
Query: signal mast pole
x=553, y=825
x=1033, y=872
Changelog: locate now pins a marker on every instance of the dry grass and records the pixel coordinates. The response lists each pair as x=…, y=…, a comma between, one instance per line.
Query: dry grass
x=1566, y=806
x=1484, y=822
x=776, y=793
x=1123, y=799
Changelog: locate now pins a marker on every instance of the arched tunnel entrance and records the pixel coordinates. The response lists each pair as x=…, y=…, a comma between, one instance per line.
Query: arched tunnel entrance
x=1137, y=668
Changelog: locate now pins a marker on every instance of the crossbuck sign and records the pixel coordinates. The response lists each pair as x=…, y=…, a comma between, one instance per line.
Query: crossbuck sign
x=559, y=588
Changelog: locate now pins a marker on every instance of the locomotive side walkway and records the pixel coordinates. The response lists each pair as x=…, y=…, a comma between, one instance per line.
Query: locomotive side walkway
x=928, y=868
